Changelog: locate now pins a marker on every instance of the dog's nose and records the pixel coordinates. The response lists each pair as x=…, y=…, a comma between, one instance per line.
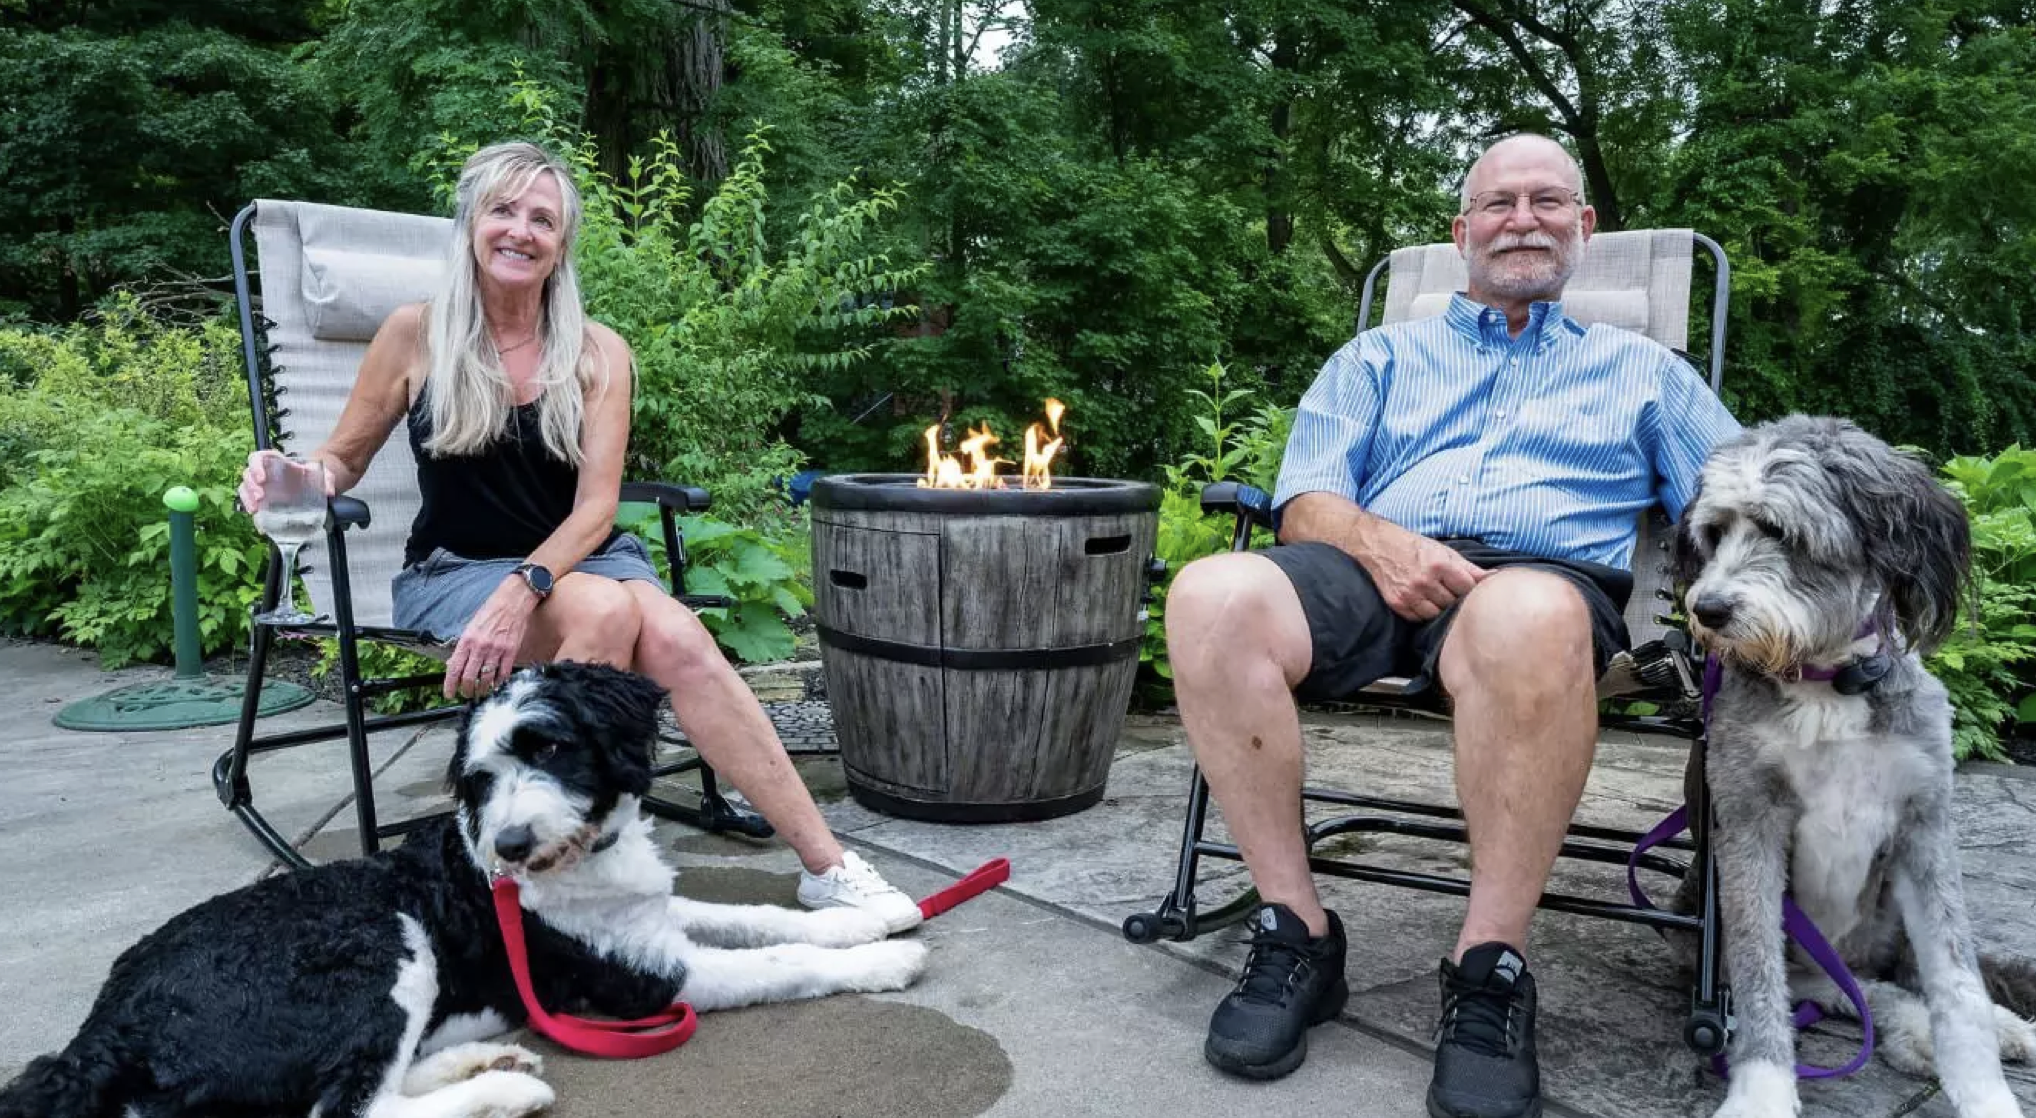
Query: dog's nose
x=514, y=844
x=1712, y=611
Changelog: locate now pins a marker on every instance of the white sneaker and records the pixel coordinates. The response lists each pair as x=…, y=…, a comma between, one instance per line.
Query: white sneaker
x=856, y=884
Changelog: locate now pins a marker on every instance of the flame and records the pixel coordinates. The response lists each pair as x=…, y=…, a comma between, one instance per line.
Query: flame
x=972, y=466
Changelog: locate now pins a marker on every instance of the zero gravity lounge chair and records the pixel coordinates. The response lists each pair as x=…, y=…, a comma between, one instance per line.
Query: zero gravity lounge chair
x=328, y=277
x=1640, y=281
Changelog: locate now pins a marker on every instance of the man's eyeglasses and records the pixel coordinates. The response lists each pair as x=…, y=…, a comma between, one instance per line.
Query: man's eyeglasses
x=1545, y=203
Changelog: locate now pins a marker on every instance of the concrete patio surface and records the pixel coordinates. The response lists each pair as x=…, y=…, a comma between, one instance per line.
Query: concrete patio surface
x=1033, y=1004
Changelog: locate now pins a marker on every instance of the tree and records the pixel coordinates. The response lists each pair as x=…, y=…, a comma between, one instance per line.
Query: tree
x=131, y=132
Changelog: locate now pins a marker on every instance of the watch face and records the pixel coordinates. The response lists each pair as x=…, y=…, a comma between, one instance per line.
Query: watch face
x=539, y=579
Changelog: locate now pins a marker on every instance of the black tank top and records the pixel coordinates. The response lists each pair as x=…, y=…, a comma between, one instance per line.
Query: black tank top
x=498, y=504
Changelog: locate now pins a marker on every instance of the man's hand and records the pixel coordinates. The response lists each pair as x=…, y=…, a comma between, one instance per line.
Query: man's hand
x=487, y=648
x=1417, y=577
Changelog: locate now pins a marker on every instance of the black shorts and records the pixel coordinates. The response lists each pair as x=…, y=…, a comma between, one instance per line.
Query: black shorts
x=1359, y=640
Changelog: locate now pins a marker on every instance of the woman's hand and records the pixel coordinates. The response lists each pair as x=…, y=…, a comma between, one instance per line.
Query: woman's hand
x=256, y=473
x=487, y=648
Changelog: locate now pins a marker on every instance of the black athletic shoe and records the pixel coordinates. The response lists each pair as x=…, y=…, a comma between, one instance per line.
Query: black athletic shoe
x=1484, y=1047
x=1291, y=982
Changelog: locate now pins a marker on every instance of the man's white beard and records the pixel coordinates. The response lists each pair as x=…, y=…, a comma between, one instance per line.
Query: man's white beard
x=1541, y=278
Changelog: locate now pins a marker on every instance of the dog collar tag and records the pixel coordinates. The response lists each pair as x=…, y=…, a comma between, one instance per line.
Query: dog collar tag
x=1862, y=674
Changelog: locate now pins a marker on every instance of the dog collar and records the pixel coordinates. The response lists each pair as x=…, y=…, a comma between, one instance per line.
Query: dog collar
x=1856, y=676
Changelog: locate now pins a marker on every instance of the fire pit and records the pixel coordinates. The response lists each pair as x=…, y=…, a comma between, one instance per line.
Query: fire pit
x=980, y=643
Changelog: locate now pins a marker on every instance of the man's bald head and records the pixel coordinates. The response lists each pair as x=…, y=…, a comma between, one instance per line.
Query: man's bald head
x=1518, y=154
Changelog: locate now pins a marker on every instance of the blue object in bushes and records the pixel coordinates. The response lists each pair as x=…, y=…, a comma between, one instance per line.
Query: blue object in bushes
x=801, y=486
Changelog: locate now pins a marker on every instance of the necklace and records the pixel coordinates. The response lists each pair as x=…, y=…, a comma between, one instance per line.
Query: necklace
x=502, y=349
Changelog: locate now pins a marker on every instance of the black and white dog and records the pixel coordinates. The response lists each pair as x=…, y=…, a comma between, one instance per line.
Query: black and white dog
x=1820, y=565
x=367, y=987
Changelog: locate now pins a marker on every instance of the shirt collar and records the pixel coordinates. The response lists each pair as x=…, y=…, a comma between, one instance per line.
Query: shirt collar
x=1486, y=325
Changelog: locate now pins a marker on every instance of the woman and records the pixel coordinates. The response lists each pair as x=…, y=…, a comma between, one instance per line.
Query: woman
x=518, y=413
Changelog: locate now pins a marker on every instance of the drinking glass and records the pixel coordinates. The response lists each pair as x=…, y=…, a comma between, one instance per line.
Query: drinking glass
x=293, y=514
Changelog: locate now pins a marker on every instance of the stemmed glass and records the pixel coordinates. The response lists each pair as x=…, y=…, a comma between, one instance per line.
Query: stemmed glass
x=292, y=514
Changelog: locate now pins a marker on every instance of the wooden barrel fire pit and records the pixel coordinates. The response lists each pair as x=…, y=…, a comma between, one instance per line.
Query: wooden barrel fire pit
x=979, y=644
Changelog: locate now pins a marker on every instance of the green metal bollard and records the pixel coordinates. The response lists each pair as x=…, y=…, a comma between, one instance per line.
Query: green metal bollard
x=183, y=502
x=190, y=698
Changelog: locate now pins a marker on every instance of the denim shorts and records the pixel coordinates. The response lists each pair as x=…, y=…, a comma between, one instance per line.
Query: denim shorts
x=440, y=593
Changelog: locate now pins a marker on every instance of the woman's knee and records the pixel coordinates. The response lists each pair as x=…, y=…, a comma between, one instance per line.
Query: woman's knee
x=595, y=613
x=673, y=642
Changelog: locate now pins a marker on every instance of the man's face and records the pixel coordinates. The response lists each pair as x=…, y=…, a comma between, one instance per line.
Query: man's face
x=1528, y=249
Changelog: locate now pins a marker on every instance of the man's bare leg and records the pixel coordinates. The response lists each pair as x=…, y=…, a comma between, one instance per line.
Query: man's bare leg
x=1517, y=662
x=1239, y=644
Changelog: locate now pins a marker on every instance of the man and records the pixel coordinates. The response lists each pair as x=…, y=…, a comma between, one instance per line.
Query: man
x=1457, y=501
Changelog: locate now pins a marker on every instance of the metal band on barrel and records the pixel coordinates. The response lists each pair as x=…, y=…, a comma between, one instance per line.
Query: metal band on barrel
x=981, y=659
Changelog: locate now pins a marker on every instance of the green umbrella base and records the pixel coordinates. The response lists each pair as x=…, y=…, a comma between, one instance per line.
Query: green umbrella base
x=176, y=704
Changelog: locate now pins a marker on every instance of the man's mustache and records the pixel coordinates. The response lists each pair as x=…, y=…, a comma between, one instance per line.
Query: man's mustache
x=1507, y=242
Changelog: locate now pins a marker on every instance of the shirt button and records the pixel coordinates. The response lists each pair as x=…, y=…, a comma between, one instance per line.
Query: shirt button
x=1500, y=414
x=1516, y=362
x=1463, y=479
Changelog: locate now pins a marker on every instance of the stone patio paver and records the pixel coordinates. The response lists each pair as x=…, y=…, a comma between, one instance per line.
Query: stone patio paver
x=1034, y=1004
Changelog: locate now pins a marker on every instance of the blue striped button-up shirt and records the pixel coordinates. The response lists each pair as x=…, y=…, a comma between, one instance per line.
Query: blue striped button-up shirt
x=1549, y=444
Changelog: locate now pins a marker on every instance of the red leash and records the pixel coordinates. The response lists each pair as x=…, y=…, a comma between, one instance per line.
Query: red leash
x=615, y=1040
x=650, y=1036
x=980, y=880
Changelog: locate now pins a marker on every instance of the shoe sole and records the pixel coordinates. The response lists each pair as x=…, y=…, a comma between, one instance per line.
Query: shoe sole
x=1437, y=1110
x=1286, y=1062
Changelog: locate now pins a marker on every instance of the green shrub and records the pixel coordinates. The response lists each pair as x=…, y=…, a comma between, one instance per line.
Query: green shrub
x=1246, y=450
x=96, y=422
x=1986, y=663
x=767, y=577
x=386, y=661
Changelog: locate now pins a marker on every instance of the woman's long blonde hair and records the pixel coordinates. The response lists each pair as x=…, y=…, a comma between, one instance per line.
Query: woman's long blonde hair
x=467, y=389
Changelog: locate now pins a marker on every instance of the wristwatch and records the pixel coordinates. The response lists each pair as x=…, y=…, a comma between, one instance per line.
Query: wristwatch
x=537, y=578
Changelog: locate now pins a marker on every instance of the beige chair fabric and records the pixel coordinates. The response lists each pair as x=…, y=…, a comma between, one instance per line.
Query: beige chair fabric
x=329, y=275
x=1637, y=280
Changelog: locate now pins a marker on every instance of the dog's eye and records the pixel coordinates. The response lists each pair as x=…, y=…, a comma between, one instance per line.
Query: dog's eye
x=1766, y=528
x=1711, y=534
x=544, y=752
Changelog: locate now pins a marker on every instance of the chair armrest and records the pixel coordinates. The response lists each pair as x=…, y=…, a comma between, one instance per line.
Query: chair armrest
x=1248, y=501
x=679, y=498
x=350, y=512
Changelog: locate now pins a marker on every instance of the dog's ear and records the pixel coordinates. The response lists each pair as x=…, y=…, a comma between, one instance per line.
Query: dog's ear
x=1684, y=560
x=626, y=707
x=458, y=764
x=1918, y=539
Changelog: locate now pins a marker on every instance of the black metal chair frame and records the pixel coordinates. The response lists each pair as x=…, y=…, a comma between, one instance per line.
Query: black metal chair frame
x=1706, y=1028
x=230, y=772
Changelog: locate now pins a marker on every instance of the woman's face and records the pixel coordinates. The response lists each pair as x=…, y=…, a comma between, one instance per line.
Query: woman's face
x=516, y=239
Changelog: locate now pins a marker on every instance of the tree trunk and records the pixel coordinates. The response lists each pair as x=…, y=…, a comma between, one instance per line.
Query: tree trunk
x=1511, y=24
x=1279, y=214
x=70, y=301
x=697, y=67
x=607, y=113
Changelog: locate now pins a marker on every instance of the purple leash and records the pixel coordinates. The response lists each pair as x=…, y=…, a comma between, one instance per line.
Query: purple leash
x=1795, y=923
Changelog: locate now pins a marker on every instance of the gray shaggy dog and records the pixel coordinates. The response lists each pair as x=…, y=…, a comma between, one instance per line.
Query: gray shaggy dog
x=1821, y=565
